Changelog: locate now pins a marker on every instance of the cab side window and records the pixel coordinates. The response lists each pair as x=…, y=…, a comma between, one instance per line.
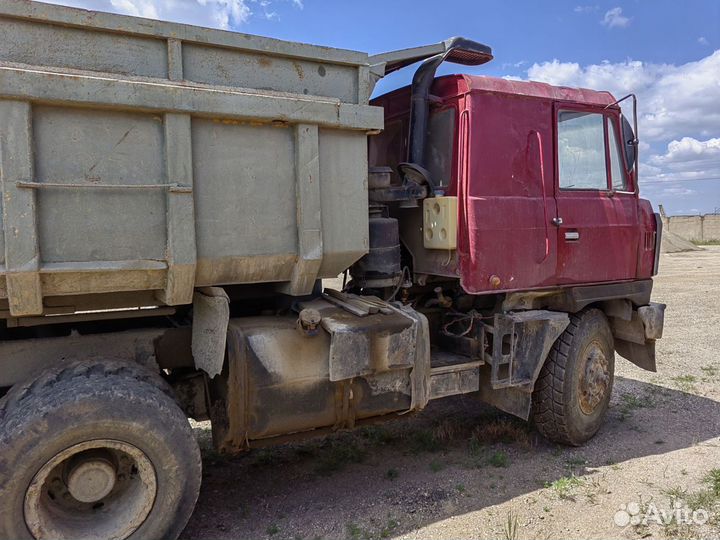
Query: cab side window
x=439, y=146
x=581, y=150
x=617, y=171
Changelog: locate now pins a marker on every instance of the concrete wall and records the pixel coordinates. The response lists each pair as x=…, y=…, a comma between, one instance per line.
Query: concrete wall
x=698, y=228
x=711, y=227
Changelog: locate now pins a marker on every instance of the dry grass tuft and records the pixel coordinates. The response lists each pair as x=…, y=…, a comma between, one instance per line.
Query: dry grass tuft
x=504, y=430
x=448, y=430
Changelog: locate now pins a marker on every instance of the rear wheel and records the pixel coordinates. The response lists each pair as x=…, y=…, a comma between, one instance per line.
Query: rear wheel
x=95, y=450
x=572, y=393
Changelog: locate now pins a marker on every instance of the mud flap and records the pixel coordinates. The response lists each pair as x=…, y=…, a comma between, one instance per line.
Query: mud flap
x=211, y=315
x=528, y=337
x=643, y=356
x=635, y=338
x=420, y=374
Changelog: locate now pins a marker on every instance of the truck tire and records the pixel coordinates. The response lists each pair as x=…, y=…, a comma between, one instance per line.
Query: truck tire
x=96, y=450
x=573, y=390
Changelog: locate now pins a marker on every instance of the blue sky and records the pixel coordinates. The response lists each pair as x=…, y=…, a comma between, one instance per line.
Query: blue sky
x=666, y=52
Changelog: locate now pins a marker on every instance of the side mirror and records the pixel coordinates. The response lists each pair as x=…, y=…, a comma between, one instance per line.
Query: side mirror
x=630, y=143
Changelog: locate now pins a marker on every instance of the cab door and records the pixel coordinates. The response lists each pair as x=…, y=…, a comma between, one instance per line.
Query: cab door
x=597, y=220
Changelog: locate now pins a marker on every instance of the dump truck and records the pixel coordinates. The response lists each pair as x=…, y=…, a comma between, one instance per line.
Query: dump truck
x=174, y=197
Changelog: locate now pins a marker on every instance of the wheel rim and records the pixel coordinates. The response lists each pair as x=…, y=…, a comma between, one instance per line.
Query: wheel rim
x=101, y=489
x=594, y=378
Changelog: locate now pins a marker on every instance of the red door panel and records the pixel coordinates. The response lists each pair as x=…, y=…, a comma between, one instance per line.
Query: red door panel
x=597, y=238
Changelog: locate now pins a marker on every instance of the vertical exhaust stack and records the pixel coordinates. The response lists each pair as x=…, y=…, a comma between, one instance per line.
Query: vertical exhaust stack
x=459, y=51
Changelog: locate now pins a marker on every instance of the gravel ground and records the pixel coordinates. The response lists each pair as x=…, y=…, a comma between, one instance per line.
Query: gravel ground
x=462, y=470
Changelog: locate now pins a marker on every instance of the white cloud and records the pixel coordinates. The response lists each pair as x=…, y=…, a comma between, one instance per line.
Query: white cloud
x=138, y=9
x=268, y=13
x=678, y=190
x=518, y=64
x=690, y=149
x=615, y=19
x=685, y=159
x=702, y=40
x=223, y=14
x=673, y=101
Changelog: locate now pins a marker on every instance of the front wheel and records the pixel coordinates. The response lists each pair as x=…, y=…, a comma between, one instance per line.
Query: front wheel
x=95, y=450
x=572, y=393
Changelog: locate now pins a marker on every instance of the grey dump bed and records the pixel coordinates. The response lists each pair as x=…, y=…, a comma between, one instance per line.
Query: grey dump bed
x=141, y=159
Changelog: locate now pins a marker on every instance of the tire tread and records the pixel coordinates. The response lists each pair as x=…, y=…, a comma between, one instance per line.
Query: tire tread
x=548, y=396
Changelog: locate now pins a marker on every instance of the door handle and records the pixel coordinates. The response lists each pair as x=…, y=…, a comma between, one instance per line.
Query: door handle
x=557, y=221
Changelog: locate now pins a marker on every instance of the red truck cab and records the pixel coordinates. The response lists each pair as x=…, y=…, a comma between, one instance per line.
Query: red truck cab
x=546, y=182
x=536, y=188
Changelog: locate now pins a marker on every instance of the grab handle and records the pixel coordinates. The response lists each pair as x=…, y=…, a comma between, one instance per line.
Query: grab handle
x=544, y=195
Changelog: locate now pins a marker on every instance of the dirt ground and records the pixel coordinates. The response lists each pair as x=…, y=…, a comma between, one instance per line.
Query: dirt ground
x=462, y=470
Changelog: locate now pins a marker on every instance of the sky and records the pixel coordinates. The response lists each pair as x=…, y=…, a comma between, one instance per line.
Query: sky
x=666, y=52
